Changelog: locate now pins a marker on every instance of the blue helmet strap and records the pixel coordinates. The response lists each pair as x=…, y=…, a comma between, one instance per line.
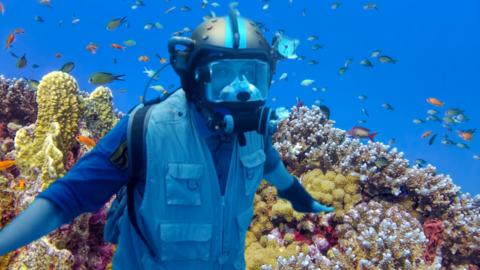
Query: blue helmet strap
x=234, y=23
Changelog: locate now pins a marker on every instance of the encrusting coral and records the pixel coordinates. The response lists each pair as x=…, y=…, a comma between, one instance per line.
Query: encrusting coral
x=338, y=190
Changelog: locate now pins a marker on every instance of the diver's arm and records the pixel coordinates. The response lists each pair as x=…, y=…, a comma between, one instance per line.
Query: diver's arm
x=288, y=186
x=40, y=218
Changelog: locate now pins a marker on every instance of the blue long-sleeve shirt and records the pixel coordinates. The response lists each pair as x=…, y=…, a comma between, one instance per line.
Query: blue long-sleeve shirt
x=93, y=180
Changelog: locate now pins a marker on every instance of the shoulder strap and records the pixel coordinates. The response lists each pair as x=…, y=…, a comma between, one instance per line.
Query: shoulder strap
x=136, y=160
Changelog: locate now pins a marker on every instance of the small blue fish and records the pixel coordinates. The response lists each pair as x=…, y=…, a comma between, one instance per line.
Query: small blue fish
x=387, y=106
x=418, y=121
x=364, y=111
x=421, y=163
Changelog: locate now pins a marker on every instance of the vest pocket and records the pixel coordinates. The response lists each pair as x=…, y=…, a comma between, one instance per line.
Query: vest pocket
x=252, y=169
x=184, y=241
x=183, y=184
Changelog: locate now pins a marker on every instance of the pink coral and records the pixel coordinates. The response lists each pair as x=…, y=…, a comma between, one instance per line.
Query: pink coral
x=433, y=229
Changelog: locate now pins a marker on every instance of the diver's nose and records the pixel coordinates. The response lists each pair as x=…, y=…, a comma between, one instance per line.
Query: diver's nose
x=243, y=96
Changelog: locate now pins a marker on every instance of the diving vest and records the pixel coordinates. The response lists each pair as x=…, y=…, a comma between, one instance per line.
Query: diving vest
x=182, y=214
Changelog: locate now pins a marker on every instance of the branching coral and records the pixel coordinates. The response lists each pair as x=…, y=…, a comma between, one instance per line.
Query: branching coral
x=382, y=237
x=432, y=192
x=462, y=231
x=17, y=101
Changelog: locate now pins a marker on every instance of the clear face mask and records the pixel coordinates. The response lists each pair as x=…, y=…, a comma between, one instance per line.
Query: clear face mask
x=237, y=80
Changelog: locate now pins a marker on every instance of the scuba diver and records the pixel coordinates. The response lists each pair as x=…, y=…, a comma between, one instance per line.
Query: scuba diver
x=203, y=150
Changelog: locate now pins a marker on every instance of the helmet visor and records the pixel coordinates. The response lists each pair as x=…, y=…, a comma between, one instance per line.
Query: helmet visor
x=234, y=80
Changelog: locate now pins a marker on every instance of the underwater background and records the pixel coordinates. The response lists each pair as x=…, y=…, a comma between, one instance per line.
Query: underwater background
x=407, y=70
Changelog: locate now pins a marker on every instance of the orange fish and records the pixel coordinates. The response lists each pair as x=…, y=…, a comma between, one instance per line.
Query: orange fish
x=2, y=8
x=92, y=48
x=19, y=31
x=426, y=134
x=163, y=60
x=435, y=101
x=117, y=46
x=143, y=58
x=10, y=39
x=86, y=141
x=21, y=184
x=58, y=55
x=5, y=164
x=45, y=3
x=466, y=135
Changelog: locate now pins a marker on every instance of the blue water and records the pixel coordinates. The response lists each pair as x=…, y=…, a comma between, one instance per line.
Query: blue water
x=436, y=44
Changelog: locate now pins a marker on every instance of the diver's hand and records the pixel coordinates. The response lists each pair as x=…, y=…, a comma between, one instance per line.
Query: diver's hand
x=40, y=218
x=318, y=207
x=301, y=200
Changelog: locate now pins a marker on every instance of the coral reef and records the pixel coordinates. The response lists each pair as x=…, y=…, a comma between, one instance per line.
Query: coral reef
x=17, y=102
x=41, y=159
x=388, y=215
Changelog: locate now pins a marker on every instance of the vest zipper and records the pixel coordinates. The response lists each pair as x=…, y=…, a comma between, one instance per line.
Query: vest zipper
x=222, y=217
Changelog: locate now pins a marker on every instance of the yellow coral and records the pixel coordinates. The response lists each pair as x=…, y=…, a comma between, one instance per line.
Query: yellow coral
x=352, y=178
x=340, y=180
x=340, y=191
x=54, y=131
x=351, y=188
x=338, y=194
x=326, y=186
x=283, y=209
x=99, y=111
x=330, y=176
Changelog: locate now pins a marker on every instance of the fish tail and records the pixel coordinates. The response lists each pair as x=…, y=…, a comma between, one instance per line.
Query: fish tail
x=372, y=135
x=119, y=77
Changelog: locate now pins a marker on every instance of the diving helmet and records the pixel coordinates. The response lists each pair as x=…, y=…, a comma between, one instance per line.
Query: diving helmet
x=226, y=67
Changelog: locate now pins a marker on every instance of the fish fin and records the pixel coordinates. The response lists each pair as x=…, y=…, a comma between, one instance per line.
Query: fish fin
x=372, y=135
